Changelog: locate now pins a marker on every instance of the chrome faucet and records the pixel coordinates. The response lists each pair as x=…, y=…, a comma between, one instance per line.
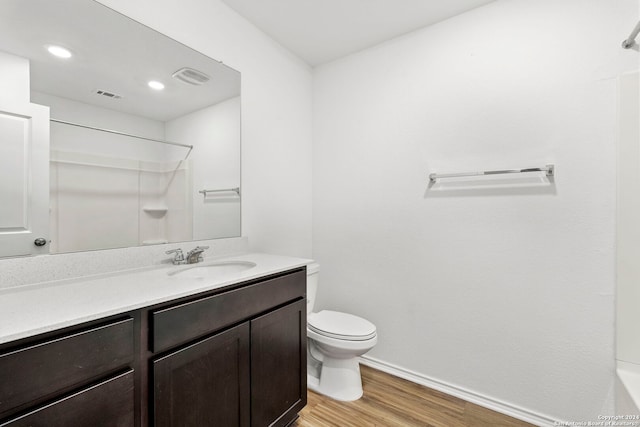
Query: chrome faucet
x=193, y=256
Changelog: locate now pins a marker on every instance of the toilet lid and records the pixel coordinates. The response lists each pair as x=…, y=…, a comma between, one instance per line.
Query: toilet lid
x=341, y=325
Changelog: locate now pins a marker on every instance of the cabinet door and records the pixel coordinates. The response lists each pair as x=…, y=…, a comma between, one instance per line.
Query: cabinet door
x=206, y=383
x=279, y=365
x=24, y=180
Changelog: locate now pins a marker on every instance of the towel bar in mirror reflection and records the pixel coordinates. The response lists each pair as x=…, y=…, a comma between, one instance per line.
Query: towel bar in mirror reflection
x=222, y=190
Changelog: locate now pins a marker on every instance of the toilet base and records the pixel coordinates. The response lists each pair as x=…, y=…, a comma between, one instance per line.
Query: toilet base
x=338, y=379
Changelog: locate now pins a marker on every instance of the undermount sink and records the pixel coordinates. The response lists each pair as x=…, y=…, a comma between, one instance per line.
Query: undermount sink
x=212, y=269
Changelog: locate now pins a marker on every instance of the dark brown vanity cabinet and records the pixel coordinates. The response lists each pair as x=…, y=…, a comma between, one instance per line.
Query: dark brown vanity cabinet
x=233, y=357
x=252, y=373
x=79, y=378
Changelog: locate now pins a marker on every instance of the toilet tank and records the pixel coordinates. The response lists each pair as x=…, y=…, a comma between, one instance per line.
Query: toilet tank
x=313, y=271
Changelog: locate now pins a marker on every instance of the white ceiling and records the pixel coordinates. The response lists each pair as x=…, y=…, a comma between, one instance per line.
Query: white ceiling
x=320, y=31
x=111, y=53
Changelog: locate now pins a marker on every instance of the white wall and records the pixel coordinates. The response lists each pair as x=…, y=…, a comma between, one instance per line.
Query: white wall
x=14, y=84
x=276, y=115
x=214, y=133
x=505, y=290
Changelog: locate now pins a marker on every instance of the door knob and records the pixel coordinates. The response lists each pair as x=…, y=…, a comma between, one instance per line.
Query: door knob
x=40, y=241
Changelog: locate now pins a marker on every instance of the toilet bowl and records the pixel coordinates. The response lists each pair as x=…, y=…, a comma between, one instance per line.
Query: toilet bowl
x=335, y=341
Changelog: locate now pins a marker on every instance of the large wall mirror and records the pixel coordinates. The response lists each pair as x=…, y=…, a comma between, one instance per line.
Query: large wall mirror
x=144, y=131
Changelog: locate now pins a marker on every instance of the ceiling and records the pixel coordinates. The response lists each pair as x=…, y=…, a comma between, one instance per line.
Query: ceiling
x=112, y=53
x=320, y=31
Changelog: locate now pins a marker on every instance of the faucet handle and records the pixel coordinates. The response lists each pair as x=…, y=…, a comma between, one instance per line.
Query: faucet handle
x=195, y=254
x=179, y=256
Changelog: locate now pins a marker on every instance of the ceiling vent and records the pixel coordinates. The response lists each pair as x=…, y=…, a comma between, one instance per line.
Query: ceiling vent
x=191, y=76
x=108, y=94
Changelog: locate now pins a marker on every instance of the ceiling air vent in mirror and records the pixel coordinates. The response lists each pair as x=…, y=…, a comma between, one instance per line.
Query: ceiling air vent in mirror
x=108, y=94
x=191, y=76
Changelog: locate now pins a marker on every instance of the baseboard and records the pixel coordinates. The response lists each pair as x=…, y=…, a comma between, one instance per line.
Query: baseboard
x=469, y=396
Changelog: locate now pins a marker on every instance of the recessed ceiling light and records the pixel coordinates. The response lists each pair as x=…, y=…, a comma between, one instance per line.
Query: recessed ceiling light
x=59, y=51
x=153, y=84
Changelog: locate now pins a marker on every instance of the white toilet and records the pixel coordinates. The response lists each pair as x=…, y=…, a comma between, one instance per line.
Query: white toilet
x=335, y=341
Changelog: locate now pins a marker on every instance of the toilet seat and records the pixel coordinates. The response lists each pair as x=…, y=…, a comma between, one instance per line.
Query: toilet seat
x=341, y=326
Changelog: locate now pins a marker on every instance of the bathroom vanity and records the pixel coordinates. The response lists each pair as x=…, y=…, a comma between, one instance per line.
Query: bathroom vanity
x=154, y=348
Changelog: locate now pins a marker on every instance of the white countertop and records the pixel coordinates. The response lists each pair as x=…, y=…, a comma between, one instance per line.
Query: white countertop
x=34, y=309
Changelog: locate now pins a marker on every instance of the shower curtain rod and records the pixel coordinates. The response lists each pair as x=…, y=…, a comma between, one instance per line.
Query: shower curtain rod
x=629, y=42
x=190, y=147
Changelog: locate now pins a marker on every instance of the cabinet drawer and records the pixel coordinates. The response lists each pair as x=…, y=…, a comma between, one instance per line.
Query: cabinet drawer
x=35, y=373
x=184, y=322
x=107, y=404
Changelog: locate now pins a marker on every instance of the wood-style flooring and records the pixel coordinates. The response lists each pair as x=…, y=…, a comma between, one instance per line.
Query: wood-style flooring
x=389, y=401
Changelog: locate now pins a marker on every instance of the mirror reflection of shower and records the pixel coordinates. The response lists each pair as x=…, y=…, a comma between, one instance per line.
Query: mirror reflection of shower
x=113, y=190
x=135, y=191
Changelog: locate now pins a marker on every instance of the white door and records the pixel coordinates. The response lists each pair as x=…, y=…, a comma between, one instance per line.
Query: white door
x=24, y=181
